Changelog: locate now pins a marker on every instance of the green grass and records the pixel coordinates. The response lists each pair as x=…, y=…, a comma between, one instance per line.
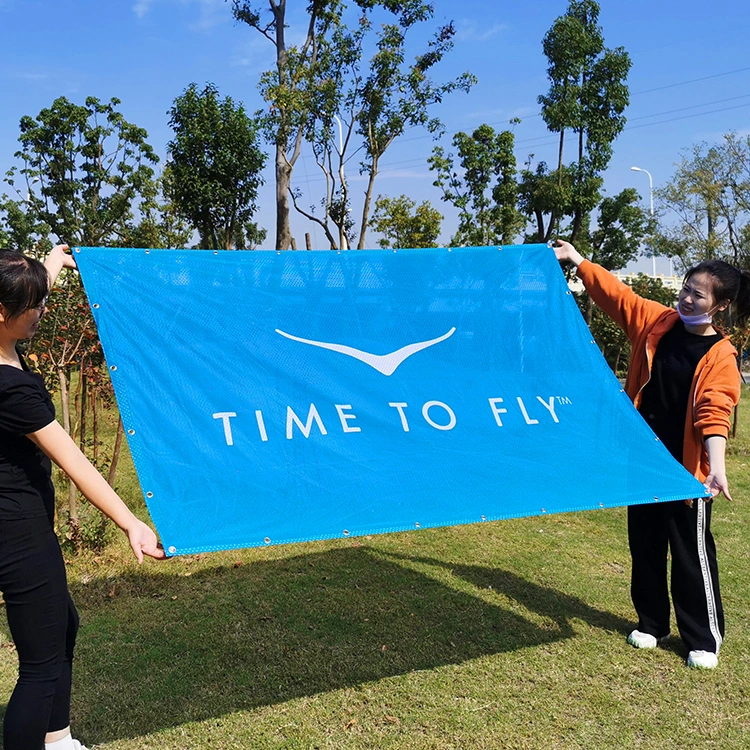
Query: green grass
x=501, y=635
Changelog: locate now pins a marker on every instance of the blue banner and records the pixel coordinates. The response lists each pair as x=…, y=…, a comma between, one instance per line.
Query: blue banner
x=282, y=397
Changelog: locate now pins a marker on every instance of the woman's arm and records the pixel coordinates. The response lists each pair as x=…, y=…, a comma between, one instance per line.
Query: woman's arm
x=58, y=259
x=716, y=481
x=58, y=445
x=634, y=314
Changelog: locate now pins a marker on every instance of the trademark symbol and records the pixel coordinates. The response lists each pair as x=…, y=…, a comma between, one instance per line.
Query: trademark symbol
x=563, y=400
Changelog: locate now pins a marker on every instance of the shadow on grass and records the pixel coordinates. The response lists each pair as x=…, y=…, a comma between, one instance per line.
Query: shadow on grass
x=547, y=602
x=161, y=648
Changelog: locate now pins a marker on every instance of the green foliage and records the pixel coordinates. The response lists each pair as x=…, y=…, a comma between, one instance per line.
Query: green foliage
x=92, y=167
x=249, y=236
x=20, y=229
x=403, y=224
x=621, y=227
x=487, y=192
x=396, y=95
x=705, y=207
x=587, y=96
x=215, y=166
x=160, y=223
x=86, y=174
x=321, y=80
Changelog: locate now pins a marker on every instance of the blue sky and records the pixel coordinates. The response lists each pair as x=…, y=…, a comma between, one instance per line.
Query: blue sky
x=690, y=80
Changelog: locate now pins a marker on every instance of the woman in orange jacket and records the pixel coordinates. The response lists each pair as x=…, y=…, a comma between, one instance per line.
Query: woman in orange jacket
x=684, y=381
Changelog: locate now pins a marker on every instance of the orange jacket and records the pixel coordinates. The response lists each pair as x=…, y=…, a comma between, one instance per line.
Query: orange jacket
x=715, y=389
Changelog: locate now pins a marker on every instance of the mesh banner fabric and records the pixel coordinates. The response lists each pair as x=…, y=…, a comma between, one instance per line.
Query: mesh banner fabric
x=282, y=397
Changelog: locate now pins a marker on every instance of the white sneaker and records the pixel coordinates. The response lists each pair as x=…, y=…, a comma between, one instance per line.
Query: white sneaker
x=702, y=660
x=66, y=743
x=643, y=640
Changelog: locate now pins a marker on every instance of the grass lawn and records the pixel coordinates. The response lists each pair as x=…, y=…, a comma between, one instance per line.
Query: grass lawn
x=501, y=635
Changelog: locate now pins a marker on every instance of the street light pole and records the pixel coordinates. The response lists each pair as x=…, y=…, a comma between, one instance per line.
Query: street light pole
x=28, y=190
x=651, y=201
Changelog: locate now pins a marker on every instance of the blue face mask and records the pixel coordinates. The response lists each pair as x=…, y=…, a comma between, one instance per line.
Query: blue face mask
x=696, y=320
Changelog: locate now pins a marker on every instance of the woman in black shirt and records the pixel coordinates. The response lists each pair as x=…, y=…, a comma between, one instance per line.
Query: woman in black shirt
x=41, y=616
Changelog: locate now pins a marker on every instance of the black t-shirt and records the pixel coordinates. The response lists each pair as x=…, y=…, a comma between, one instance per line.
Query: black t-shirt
x=664, y=399
x=26, y=489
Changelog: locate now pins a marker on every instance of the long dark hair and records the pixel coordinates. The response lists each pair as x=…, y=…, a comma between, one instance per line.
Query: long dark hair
x=729, y=283
x=24, y=283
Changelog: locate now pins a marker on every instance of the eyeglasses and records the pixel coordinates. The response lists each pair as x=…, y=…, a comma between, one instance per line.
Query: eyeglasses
x=42, y=304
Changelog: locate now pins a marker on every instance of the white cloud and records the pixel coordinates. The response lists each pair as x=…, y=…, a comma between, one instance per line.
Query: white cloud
x=142, y=7
x=471, y=31
x=28, y=76
x=210, y=12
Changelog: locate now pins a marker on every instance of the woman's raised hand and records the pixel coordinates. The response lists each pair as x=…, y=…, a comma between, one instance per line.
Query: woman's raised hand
x=564, y=251
x=58, y=258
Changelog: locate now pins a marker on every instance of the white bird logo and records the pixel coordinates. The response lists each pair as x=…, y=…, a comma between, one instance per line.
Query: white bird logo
x=385, y=363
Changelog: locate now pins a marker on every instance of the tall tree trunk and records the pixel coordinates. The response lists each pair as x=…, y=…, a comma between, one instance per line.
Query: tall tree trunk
x=283, y=181
x=115, y=453
x=539, y=225
x=82, y=406
x=560, y=158
x=368, y=201
x=75, y=527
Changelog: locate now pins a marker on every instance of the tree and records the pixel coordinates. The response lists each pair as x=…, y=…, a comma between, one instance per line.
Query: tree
x=404, y=227
x=85, y=172
x=705, y=207
x=588, y=95
x=323, y=79
x=215, y=166
x=286, y=88
x=21, y=230
x=92, y=167
x=159, y=225
x=396, y=96
x=487, y=194
x=621, y=228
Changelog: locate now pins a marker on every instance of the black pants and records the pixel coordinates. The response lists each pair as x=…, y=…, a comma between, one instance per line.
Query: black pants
x=695, y=575
x=43, y=623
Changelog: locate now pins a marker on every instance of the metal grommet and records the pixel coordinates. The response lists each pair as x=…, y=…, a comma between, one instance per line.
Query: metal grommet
x=148, y=252
x=149, y=494
x=77, y=249
x=346, y=532
x=113, y=367
x=656, y=499
x=601, y=505
x=544, y=510
x=267, y=540
x=95, y=305
x=484, y=518
x=417, y=524
x=131, y=431
x=172, y=550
